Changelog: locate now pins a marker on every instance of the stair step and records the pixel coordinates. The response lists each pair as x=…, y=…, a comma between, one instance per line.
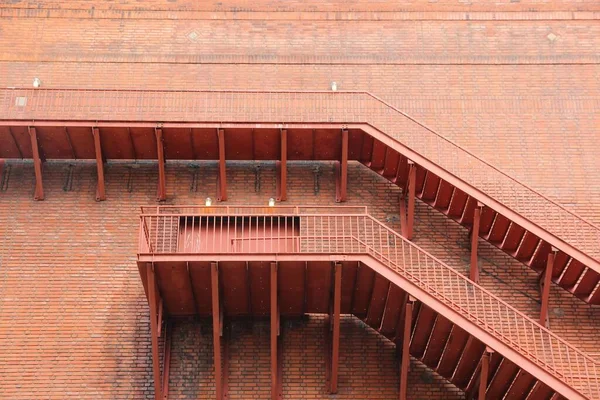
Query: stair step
x=503, y=378
x=437, y=341
x=454, y=348
x=521, y=386
x=468, y=363
x=422, y=331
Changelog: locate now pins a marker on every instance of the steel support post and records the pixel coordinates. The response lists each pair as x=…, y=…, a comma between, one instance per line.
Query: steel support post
x=152, y=299
x=337, y=301
x=222, y=177
x=37, y=165
x=216, y=314
x=160, y=151
x=100, y=191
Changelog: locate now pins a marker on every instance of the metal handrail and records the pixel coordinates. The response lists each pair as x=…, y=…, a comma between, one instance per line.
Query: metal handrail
x=197, y=210
x=363, y=234
x=291, y=106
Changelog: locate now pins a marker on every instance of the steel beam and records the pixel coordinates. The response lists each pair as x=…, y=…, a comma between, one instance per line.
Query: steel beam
x=483, y=373
x=337, y=304
x=37, y=165
x=474, y=271
x=282, y=169
x=152, y=300
x=274, y=332
x=545, y=295
x=222, y=177
x=407, y=216
x=343, y=172
x=166, y=361
x=100, y=191
x=405, y=360
x=160, y=151
x=216, y=316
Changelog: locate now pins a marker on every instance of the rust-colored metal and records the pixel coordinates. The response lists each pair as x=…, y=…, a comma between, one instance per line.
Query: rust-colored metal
x=152, y=300
x=337, y=301
x=226, y=356
x=282, y=168
x=342, y=185
x=37, y=165
x=222, y=177
x=409, y=216
x=474, y=271
x=405, y=360
x=483, y=374
x=160, y=151
x=100, y=191
x=166, y=360
x=274, y=331
x=547, y=280
x=217, y=328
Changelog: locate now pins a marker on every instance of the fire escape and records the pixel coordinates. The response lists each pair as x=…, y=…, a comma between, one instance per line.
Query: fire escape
x=193, y=260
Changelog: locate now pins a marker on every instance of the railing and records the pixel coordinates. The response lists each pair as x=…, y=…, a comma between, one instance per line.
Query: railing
x=305, y=107
x=359, y=233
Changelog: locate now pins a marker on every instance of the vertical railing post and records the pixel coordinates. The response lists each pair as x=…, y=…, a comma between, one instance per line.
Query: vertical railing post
x=405, y=360
x=282, y=168
x=274, y=333
x=342, y=177
x=407, y=215
x=100, y=191
x=37, y=165
x=483, y=373
x=222, y=176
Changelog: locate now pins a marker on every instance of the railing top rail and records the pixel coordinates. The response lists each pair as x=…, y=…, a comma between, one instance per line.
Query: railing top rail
x=417, y=248
x=5, y=93
x=195, y=210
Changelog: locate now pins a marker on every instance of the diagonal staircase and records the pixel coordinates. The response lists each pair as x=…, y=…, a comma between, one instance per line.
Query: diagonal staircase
x=455, y=320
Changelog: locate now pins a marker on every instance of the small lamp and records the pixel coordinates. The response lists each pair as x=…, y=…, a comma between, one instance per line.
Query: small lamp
x=271, y=202
x=37, y=82
x=334, y=86
x=208, y=202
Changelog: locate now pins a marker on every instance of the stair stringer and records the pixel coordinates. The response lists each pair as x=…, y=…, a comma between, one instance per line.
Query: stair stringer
x=478, y=332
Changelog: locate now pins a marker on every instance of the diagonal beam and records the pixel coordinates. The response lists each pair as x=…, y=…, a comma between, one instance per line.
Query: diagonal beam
x=404, y=363
x=100, y=191
x=282, y=169
x=343, y=172
x=216, y=314
x=337, y=301
x=152, y=297
x=160, y=151
x=474, y=270
x=547, y=278
x=222, y=177
x=274, y=333
x=37, y=164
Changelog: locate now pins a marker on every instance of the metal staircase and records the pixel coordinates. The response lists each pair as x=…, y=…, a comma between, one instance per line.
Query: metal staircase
x=456, y=322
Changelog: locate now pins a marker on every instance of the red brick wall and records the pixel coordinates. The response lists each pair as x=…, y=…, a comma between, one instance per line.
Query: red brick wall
x=75, y=320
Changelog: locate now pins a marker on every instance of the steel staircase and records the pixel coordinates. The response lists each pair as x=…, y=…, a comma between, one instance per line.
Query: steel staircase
x=455, y=319
x=517, y=219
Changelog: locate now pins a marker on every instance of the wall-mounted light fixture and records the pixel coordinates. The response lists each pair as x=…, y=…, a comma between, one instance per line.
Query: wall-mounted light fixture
x=334, y=86
x=208, y=202
x=37, y=82
x=271, y=202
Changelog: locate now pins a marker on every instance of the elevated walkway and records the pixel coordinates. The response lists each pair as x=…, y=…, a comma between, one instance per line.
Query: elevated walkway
x=237, y=125
x=288, y=261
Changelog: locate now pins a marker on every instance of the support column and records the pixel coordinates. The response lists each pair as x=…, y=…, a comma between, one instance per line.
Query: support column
x=337, y=301
x=474, y=272
x=342, y=186
x=407, y=216
x=405, y=361
x=274, y=334
x=152, y=296
x=547, y=280
x=282, y=169
x=483, y=373
x=222, y=177
x=100, y=192
x=166, y=361
x=160, y=151
x=37, y=165
x=216, y=313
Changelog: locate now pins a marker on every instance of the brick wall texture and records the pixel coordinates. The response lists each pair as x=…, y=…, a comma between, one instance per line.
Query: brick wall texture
x=517, y=83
